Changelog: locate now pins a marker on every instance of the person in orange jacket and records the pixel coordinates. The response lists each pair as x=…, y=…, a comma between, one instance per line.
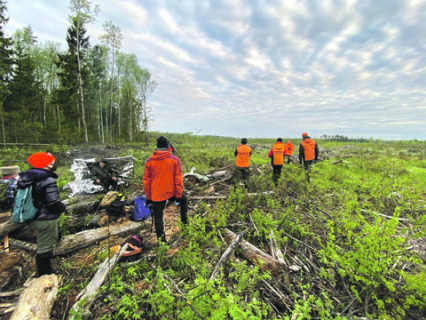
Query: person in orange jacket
x=243, y=153
x=308, y=151
x=288, y=151
x=162, y=181
x=277, y=154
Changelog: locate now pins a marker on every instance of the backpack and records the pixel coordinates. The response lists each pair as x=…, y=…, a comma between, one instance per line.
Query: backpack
x=24, y=209
x=109, y=198
x=134, y=249
x=116, y=207
x=141, y=211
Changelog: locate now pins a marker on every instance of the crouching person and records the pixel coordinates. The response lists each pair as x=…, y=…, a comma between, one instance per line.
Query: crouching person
x=103, y=174
x=46, y=198
x=162, y=181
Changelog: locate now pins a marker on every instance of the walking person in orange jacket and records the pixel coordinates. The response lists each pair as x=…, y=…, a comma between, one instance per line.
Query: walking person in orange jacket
x=243, y=153
x=308, y=152
x=288, y=151
x=277, y=154
x=162, y=181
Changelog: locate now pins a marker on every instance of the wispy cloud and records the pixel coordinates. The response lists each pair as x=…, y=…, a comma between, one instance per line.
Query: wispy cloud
x=255, y=69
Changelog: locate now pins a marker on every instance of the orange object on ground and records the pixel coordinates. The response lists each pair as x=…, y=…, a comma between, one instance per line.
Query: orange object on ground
x=278, y=151
x=243, y=156
x=163, y=178
x=309, y=149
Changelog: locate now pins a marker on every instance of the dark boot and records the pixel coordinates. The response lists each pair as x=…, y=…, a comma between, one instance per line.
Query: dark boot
x=43, y=263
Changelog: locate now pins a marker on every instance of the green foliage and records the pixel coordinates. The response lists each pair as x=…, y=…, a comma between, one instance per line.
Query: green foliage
x=360, y=249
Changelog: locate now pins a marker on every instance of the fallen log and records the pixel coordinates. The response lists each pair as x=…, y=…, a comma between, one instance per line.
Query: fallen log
x=226, y=254
x=383, y=215
x=180, y=292
x=254, y=255
x=37, y=299
x=208, y=198
x=7, y=310
x=5, y=215
x=17, y=292
x=226, y=197
x=276, y=252
x=8, y=226
x=86, y=297
x=90, y=206
x=86, y=238
x=219, y=174
x=338, y=161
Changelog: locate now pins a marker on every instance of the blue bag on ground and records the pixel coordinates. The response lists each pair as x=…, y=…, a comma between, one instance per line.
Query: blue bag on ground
x=24, y=209
x=141, y=211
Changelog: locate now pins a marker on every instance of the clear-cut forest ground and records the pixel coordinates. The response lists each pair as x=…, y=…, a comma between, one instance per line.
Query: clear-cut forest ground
x=348, y=245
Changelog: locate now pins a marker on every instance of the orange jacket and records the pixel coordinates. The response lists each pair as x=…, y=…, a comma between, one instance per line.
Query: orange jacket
x=278, y=153
x=309, y=149
x=163, y=178
x=289, y=149
x=243, y=154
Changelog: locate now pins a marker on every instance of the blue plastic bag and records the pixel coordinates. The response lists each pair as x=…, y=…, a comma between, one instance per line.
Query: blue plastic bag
x=141, y=211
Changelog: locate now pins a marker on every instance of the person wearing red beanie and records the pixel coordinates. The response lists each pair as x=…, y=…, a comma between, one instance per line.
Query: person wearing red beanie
x=46, y=199
x=41, y=159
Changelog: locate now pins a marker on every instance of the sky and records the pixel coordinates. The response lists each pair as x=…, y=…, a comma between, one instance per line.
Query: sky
x=258, y=68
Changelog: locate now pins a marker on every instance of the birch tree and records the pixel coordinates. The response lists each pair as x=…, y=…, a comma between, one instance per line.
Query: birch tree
x=83, y=14
x=146, y=89
x=112, y=39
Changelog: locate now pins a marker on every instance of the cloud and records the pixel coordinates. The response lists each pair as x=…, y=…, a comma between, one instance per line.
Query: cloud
x=266, y=69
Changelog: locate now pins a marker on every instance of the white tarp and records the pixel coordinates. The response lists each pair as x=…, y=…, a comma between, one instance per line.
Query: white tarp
x=81, y=170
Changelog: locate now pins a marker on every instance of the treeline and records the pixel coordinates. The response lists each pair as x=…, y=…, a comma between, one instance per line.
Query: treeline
x=86, y=93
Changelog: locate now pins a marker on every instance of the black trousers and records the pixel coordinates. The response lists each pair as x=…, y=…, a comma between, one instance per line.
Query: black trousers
x=288, y=157
x=158, y=211
x=276, y=173
x=308, y=165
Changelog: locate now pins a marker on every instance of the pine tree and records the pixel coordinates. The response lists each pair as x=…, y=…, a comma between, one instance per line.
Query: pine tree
x=68, y=94
x=6, y=64
x=23, y=103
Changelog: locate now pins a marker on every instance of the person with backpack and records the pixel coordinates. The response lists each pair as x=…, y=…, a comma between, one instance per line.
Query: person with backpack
x=277, y=154
x=288, y=151
x=308, y=153
x=8, y=185
x=242, y=153
x=163, y=181
x=102, y=173
x=45, y=195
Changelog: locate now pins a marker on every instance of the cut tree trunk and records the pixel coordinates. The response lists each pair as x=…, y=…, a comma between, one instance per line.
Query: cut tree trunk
x=86, y=238
x=8, y=226
x=226, y=254
x=78, y=208
x=37, y=299
x=88, y=294
x=254, y=255
x=275, y=250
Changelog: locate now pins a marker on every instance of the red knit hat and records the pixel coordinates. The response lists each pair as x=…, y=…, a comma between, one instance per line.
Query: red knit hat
x=40, y=159
x=304, y=134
